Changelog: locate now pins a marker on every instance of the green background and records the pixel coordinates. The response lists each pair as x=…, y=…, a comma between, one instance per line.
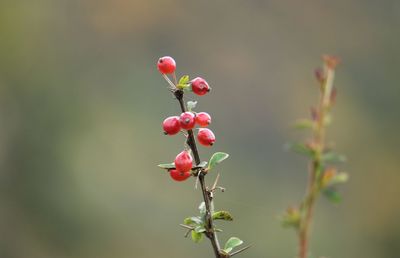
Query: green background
x=81, y=106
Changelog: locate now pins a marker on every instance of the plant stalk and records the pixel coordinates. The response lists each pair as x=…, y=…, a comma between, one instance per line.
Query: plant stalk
x=207, y=195
x=307, y=207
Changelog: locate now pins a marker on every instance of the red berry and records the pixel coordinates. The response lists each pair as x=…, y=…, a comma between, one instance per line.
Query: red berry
x=183, y=161
x=171, y=125
x=187, y=120
x=206, y=137
x=166, y=65
x=178, y=175
x=200, y=86
x=203, y=119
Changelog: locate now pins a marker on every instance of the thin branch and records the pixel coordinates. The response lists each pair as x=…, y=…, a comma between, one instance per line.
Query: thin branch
x=307, y=206
x=215, y=183
x=186, y=226
x=239, y=251
x=209, y=226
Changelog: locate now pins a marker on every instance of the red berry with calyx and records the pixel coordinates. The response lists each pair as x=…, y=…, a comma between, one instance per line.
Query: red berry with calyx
x=171, y=125
x=178, y=175
x=166, y=65
x=200, y=86
x=203, y=119
x=206, y=137
x=183, y=161
x=187, y=120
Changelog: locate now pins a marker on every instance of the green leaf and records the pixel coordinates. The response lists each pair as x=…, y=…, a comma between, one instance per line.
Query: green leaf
x=167, y=166
x=333, y=157
x=184, y=79
x=304, y=124
x=301, y=148
x=196, y=237
x=217, y=158
x=191, y=105
x=193, y=221
x=332, y=195
x=224, y=215
x=200, y=229
x=202, y=208
x=291, y=218
x=341, y=177
x=183, y=82
x=232, y=243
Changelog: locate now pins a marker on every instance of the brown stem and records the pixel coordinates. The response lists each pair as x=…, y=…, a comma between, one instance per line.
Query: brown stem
x=315, y=171
x=309, y=204
x=207, y=195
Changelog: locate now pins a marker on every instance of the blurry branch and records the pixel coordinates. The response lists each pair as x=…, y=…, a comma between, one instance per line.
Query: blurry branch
x=321, y=176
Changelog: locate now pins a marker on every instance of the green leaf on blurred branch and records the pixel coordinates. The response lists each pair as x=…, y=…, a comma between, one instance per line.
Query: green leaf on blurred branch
x=200, y=229
x=291, y=218
x=167, y=165
x=232, y=243
x=341, y=177
x=332, y=195
x=202, y=208
x=196, y=237
x=190, y=221
x=301, y=148
x=304, y=124
x=217, y=158
x=333, y=157
x=223, y=215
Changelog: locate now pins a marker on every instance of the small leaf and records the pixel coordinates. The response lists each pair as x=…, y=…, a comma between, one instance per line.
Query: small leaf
x=183, y=82
x=332, y=195
x=167, y=166
x=304, y=124
x=341, y=177
x=184, y=79
x=217, y=158
x=232, y=243
x=193, y=221
x=327, y=176
x=202, y=208
x=291, y=218
x=301, y=148
x=191, y=105
x=200, y=229
x=196, y=237
x=224, y=215
x=333, y=157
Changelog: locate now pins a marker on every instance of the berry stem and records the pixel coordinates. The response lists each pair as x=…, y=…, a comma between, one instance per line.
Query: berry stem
x=207, y=195
x=169, y=81
x=174, y=77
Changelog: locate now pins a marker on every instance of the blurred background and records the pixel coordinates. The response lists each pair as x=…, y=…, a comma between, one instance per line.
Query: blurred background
x=81, y=106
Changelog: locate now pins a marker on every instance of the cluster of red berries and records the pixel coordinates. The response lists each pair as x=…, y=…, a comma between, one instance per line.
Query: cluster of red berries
x=167, y=65
x=186, y=121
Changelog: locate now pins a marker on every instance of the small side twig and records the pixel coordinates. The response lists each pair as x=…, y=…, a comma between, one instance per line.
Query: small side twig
x=240, y=250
